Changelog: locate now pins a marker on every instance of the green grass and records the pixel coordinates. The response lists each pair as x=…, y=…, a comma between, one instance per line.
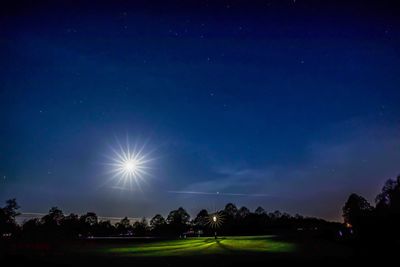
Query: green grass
x=203, y=246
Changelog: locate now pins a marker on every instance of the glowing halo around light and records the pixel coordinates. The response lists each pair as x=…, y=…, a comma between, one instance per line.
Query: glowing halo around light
x=129, y=166
x=215, y=220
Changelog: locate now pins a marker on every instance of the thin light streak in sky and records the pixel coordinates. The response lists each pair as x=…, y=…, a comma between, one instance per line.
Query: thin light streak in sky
x=217, y=193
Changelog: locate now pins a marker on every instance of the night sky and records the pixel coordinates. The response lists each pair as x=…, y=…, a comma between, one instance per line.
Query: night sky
x=289, y=105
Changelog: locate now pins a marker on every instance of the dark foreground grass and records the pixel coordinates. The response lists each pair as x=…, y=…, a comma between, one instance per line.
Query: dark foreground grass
x=203, y=251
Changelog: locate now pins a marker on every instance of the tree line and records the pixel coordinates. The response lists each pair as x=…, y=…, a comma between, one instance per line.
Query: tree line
x=361, y=221
x=381, y=221
x=178, y=223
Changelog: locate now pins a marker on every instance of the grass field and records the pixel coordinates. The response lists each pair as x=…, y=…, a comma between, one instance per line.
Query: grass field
x=203, y=246
x=203, y=251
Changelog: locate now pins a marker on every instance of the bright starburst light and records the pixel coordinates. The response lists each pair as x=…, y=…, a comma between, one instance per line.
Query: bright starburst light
x=129, y=165
x=215, y=220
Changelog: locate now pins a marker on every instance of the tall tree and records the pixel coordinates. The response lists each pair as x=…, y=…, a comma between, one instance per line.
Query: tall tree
x=124, y=226
x=88, y=223
x=178, y=220
x=230, y=210
x=201, y=220
x=356, y=209
x=158, y=225
x=7, y=217
x=243, y=212
x=11, y=209
x=389, y=198
x=31, y=228
x=54, y=217
x=90, y=218
x=71, y=225
x=105, y=228
x=260, y=211
x=140, y=228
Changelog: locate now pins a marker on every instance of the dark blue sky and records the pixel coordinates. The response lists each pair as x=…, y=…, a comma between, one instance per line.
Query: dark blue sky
x=294, y=100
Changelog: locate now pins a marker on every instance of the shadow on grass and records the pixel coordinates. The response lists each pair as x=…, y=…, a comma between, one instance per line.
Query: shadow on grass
x=203, y=246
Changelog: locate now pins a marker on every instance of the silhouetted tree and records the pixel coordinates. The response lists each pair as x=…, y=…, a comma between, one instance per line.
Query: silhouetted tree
x=89, y=218
x=140, y=228
x=200, y=223
x=31, y=229
x=260, y=211
x=243, y=212
x=355, y=209
x=260, y=221
x=178, y=221
x=87, y=223
x=276, y=215
x=243, y=221
x=124, y=227
x=158, y=225
x=54, y=217
x=229, y=213
x=51, y=223
x=7, y=217
x=105, y=228
x=377, y=223
x=230, y=210
x=389, y=198
x=388, y=209
x=357, y=213
x=235, y=221
x=71, y=226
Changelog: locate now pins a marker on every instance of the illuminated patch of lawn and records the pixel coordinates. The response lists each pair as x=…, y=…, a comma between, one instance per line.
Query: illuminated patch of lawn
x=203, y=245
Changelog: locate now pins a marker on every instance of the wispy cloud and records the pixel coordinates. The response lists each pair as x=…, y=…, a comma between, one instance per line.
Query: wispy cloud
x=218, y=193
x=359, y=161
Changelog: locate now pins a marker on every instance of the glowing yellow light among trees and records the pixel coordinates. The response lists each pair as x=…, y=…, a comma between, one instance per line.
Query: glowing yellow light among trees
x=215, y=220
